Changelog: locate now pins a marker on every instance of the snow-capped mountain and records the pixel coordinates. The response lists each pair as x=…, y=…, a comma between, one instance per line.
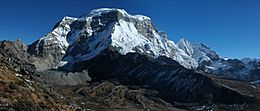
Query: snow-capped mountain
x=110, y=43
x=210, y=62
x=75, y=40
x=204, y=53
x=200, y=52
x=90, y=34
x=186, y=46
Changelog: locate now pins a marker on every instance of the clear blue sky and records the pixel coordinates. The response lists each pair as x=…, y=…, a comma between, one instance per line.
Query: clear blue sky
x=231, y=27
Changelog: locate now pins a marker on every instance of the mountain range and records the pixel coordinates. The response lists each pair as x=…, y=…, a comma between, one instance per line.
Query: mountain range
x=79, y=39
x=125, y=59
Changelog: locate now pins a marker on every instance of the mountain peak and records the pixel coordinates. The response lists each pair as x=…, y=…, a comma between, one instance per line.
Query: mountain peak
x=102, y=11
x=82, y=39
x=186, y=46
x=126, y=34
x=183, y=39
x=99, y=11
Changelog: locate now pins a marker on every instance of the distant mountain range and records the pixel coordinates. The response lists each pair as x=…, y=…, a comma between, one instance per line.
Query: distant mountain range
x=212, y=63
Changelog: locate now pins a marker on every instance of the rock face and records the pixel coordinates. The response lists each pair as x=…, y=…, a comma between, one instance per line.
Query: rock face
x=50, y=49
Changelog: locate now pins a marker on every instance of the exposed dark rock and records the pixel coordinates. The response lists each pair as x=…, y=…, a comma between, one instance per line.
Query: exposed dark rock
x=173, y=81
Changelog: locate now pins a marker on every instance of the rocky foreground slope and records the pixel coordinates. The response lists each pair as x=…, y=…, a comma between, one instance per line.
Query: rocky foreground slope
x=20, y=90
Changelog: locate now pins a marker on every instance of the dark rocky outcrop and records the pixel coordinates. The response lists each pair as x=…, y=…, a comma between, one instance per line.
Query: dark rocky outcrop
x=174, y=82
